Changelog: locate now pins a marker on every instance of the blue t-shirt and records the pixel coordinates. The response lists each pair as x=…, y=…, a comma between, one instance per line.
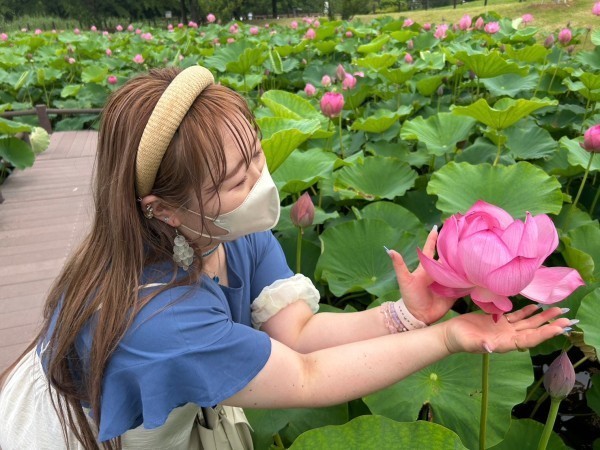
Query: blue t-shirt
x=189, y=344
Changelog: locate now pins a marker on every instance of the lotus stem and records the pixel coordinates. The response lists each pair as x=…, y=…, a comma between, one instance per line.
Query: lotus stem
x=585, y=175
x=341, y=146
x=299, y=250
x=278, y=440
x=498, y=153
x=593, y=207
x=560, y=53
x=549, y=423
x=485, y=387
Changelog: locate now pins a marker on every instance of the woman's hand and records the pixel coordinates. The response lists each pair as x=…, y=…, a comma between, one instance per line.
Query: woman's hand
x=518, y=330
x=414, y=287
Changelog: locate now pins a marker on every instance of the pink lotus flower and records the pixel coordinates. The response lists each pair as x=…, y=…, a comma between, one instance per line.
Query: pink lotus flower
x=93, y=28
x=559, y=379
x=565, y=36
x=479, y=23
x=108, y=52
x=596, y=9
x=146, y=36
x=427, y=26
x=170, y=27
x=254, y=31
x=349, y=34
x=192, y=24
x=303, y=212
x=211, y=18
x=492, y=27
x=105, y=33
x=138, y=31
x=37, y=31
x=332, y=104
x=310, y=90
x=130, y=27
x=440, y=31
x=408, y=59
x=316, y=23
x=408, y=22
x=294, y=25
x=230, y=40
x=359, y=74
x=488, y=255
x=4, y=37
x=71, y=60
x=233, y=29
x=340, y=73
x=119, y=28
x=310, y=34
x=349, y=82
x=112, y=79
x=549, y=41
x=139, y=59
x=76, y=31
x=179, y=25
x=527, y=18
x=326, y=80
x=591, y=139
x=465, y=22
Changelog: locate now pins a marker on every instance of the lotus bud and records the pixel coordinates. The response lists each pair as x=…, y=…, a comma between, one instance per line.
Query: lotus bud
x=303, y=211
x=591, y=139
x=440, y=90
x=408, y=59
x=309, y=90
x=340, y=73
x=112, y=79
x=410, y=44
x=332, y=104
x=310, y=34
x=326, y=80
x=211, y=18
x=565, y=36
x=349, y=82
x=596, y=9
x=549, y=42
x=559, y=379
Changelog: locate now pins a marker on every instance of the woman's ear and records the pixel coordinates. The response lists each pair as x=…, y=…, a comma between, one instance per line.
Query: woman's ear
x=154, y=207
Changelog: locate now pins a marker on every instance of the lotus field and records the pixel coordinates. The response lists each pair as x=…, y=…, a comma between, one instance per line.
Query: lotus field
x=389, y=128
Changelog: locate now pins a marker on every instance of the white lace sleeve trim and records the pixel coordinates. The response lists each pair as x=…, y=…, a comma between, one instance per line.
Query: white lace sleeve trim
x=281, y=293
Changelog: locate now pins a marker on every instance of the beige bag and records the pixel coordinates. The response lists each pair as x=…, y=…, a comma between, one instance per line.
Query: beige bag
x=224, y=428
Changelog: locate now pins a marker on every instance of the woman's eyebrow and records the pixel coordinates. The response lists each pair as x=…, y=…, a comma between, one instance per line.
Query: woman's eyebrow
x=236, y=169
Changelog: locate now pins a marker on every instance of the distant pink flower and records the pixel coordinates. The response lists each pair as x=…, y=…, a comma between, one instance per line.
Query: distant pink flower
x=105, y=33
x=596, y=9
x=316, y=23
x=112, y=79
x=37, y=31
x=76, y=31
x=119, y=28
x=326, y=80
x=267, y=25
x=192, y=24
x=139, y=59
x=130, y=27
x=180, y=25
x=310, y=34
x=233, y=29
x=408, y=59
x=93, y=28
x=492, y=27
x=294, y=25
x=527, y=18
x=349, y=34
x=490, y=256
x=359, y=74
x=146, y=36
x=349, y=82
x=230, y=40
x=591, y=139
x=408, y=22
x=254, y=31
x=215, y=40
x=4, y=37
x=71, y=60
x=332, y=104
x=565, y=36
x=310, y=90
x=340, y=73
x=410, y=45
x=427, y=26
x=465, y=22
x=170, y=27
x=108, y=52
x=479, y=23
x=211, y=18
x=138, y=31
x=440, y=31
x=549, y=41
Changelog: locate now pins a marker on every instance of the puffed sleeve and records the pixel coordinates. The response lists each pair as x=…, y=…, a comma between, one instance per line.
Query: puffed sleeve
x=270, y=264
x=182, y=348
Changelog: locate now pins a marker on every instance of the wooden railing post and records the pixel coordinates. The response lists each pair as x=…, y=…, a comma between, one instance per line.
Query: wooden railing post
x=43, y=118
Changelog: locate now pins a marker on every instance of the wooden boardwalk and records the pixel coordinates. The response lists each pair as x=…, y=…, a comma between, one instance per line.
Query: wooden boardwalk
x=46, y=212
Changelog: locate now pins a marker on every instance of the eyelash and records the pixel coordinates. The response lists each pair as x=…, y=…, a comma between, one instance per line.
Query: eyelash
x=256, y=155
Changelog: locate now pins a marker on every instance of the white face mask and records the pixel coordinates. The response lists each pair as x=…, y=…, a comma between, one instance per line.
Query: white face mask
x=258, y=212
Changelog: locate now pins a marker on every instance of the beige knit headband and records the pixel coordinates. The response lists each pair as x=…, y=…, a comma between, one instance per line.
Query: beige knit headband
x=170, y=110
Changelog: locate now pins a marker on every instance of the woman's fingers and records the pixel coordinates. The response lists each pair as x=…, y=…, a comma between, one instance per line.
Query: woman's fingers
x=402, y=272
x=531, y=338
x=529, y=320
x=429, y=247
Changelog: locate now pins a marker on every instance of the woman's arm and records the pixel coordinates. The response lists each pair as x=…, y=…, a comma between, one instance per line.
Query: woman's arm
x=335, y=375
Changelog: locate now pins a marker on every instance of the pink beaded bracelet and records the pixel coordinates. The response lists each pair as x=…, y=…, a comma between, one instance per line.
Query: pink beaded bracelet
x=397, y=317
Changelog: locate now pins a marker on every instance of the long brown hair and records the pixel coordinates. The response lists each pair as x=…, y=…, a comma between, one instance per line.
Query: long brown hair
x=102, y=277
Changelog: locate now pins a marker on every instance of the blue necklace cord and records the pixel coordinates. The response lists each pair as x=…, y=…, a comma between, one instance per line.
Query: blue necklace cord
x=211, y=251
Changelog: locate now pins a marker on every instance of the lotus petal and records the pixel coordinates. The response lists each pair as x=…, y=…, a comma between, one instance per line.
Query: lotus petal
x=482, y=253
x=512, y=277
x=547, y=236
x=504, y=218
x=522, y=238
x=442, y=274
x=448, y=292
x=447, y=243
x=552, y=284
x=485, y=296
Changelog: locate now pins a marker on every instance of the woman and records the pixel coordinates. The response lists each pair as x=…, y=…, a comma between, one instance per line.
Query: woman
x=149, y=325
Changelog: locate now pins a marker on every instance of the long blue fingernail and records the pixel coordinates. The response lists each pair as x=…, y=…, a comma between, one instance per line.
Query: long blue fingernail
x=435, y=228
x=565, y=310
x=539, y=306
x=387, y=250
x=567, y=330
x=573, y=321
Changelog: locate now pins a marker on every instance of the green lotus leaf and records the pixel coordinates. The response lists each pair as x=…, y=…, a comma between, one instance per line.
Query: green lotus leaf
x=395, y=215
x=70, y=90
x=375, y=45
x=325, y=47
x=266, y=422
x=592, y=395
x=586, y=240
x=591, y=58
x=577, y=156
x=377, y=177
x=596, y=37
x=238, y=57
x=530, y=54
x=452, y=389
x=579, y=86
x=16, y=152
x=377, y=433
x=302, y=169
x=518, y=188
x=431, y=60
x=588, y=319
x=403, y=35
x=289, y=105
x=11, y=127
x=282, y=136
x=94, y=74
x=527, y=140
x=425, y=41
x=242, y=83
x=47, y=75
x=440, y=132
x=490, y=65
x=507, y=113
x=526, y=434
x=353, y=258
x=400, y=75
x=427, y=86
x=327, y=30
x=510, y=84
x=39, y=140
x=250, y=57
x=381, y=120
x=377, y=62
